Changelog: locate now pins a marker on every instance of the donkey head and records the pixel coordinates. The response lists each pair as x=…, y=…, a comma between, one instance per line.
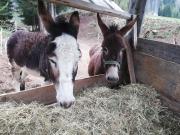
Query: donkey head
x=113, y=48
x=62, y=52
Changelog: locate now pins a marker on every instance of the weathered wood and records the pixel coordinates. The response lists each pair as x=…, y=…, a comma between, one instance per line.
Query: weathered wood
x=134, y=34
x=47, y=94
x=89, y=82
x=130, y=62
x=163, y=75
x=173, y=105
x=169, y=52
x=1, y=40
x=137, y=7
x=80, y=4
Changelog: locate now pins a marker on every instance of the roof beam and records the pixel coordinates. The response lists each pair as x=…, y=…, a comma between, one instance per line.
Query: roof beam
x=80, y=4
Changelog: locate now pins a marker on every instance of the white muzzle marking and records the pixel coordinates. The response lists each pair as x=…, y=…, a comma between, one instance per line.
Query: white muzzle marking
x=112, y=74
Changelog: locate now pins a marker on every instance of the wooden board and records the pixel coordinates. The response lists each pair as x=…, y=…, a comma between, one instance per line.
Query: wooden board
x=105, y=3
x=163, y=75
x=137, y=7
x=169, y=52
x=47, y=94
x=80, y=4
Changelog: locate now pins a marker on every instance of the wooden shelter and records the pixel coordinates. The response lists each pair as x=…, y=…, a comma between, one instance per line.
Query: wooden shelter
x=156, y=63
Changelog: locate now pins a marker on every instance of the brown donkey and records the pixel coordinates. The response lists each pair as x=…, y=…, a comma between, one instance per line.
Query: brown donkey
x=110, y=58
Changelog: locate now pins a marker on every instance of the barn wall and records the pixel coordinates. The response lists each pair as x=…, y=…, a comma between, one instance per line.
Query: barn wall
x=158, y=64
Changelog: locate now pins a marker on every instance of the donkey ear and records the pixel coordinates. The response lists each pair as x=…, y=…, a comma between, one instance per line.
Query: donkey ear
x=126, y=28
x=75, y=21
x=103, y=27
x=45, y=16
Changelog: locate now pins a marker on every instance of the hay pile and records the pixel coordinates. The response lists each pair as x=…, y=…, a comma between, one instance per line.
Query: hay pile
x=130, y=110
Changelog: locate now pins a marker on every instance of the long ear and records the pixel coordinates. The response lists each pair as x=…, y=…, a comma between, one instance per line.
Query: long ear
x=45, y=16
x=126, y=28
x=75, y=21
x=103, y=27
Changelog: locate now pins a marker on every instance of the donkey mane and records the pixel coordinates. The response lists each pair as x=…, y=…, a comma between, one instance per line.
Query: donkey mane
x=113, y=28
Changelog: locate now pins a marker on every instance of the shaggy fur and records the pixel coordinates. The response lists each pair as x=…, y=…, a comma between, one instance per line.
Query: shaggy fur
x=54, y=56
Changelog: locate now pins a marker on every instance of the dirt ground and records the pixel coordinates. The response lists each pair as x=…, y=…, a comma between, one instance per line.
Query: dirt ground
x=162, y=29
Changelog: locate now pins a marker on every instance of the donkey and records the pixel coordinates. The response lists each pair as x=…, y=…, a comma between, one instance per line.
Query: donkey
x=110, y=58
x=54, y=56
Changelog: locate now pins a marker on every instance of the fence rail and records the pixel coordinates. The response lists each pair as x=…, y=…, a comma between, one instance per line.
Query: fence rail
x=3, y=41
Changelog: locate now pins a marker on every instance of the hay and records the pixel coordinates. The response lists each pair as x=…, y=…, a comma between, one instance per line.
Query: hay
x=131, y=110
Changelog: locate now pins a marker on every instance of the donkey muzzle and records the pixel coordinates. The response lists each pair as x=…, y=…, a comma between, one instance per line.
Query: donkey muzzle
x=112, y=74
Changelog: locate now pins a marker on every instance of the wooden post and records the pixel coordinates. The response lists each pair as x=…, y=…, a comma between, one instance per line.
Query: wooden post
x=1, y=38
x=137, y=7
x=52, y=10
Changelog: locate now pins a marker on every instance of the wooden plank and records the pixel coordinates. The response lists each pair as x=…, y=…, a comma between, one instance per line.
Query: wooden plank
x=80, y=4
x=137, y=7
x=47, y=94
x=163, y=75
x=100, y=3
x=169, y=52
x=89, y=82
x=130, y=62
x=1, y=41
x=135, y=35
x=173, y=105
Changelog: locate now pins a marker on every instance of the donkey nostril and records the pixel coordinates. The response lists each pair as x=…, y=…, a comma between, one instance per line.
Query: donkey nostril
x=116, y=79
x=112, y=79
x=66, y=105
x=61, y=104
x=108, y=78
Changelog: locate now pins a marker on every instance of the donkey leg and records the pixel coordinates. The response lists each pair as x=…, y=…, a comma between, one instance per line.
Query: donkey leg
x=47, y=81
x=18, y=78
x=23, y=75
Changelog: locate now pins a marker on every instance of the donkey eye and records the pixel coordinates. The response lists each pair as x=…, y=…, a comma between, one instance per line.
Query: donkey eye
x=52, y=61
x=105, y=50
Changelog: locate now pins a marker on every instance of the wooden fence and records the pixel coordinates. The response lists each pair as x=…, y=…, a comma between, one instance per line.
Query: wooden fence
x=3, y=42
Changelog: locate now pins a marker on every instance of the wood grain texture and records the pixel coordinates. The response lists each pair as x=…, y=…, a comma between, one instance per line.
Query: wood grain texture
x=80, y=4
x=47, y=94
x=137, y=7
x=130, y=62
x=169, y=52
x=44, y=95
x=173, y=105
x=163, y=75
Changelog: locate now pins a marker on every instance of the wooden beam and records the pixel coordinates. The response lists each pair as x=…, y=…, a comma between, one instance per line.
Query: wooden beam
x=137, y=7
x=173, y=105
x=163, y=75
x=130, y=62
x=169, y=52
x=80, y=4
x=47, y=94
